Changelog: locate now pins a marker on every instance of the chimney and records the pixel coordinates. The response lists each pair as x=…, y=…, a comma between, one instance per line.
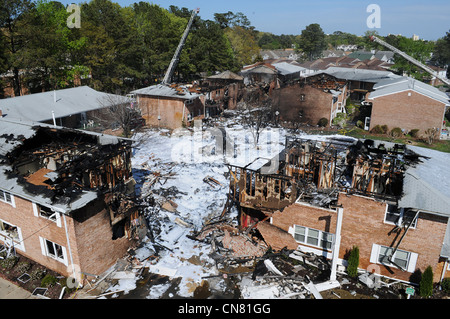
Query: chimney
x=1, y=114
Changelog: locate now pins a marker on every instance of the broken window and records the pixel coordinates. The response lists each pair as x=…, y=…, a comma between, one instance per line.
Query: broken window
x=55, y=251
x=47, y=213
x=400, y=217
x=9, y=231
x=400, y=258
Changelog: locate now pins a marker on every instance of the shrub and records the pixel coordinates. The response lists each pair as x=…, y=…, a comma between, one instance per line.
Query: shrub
x=377, y=130
x=426, y=283
x=23, y=267
x=323, y=122
x=396, y=132
x=353, y=262
x=340, y=120
x=38, y=274
x=9, y=263
x=384, y=129
x=48, y=281
x=360, y=124
x=414, y=133
x=445, y=284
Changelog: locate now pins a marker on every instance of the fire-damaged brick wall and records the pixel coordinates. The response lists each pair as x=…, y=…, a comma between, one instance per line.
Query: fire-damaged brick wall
x=302, y=104
x=363, y=226
x=168, y=112
x=95, y=247
x=407, y=110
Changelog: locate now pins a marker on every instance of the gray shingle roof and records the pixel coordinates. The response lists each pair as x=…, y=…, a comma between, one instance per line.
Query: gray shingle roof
x=38, y=107
x=401, y=84
x=167, y=91
x=372, y=76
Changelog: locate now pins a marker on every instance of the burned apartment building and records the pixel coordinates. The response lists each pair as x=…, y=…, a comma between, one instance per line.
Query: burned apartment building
x=222, y=92
x=67, y=197
x=310, y=99
x=383, y=198
x=170, y=106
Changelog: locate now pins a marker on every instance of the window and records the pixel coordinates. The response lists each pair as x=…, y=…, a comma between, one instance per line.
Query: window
x=6, y=197
x=384, y=255
x=10, y=232
x=302, y=97
x=397, y=216
x=47, y=213
x=313, y=237
x=53, y=250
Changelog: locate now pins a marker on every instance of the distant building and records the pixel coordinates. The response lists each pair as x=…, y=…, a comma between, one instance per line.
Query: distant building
x=288, y=54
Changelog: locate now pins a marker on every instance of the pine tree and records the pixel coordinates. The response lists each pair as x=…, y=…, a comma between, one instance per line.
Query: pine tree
x=426, y=283
x=353, y=262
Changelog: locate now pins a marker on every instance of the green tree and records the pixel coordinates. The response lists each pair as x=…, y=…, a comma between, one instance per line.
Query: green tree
x=420, y=50
x=441, y=52
x=12, y=14
x=244, y=45
x=110, y=30
x=426, y=283
x=353, y=262
x=312, y=41
x=51, y=50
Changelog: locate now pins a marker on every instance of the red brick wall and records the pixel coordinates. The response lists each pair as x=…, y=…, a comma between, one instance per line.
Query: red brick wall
x=32, y=228
x=316, y=105
x=91, y=241
x=95, y=249
x=363, y=226
x=170, y=110
x=407, y=112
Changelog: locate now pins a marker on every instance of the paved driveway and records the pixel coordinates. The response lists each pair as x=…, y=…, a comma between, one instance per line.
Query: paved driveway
x=10, y=291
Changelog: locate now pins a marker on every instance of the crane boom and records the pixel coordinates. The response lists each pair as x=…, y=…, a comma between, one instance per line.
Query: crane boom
x=410, y=59
x=173, y=64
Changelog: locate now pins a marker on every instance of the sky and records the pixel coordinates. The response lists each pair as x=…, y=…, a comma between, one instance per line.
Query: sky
x=429, y=20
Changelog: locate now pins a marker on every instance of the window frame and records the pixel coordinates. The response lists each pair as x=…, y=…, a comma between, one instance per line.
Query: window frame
x=324, y=240
x=3, y=199
x=411, y=260
x=45, y=250
x=401, y=215
x=55, y=217
x=4, y=236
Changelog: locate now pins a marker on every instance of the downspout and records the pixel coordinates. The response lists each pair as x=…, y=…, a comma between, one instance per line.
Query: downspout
x=336, y=244
x=70, y=250
x=444, y=270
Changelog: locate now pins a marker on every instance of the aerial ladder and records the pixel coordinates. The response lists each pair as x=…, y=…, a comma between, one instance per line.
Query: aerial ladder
x=410, y=59
x=176, y=57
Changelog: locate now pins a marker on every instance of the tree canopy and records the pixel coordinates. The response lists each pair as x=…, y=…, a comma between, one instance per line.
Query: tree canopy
x=121, y=48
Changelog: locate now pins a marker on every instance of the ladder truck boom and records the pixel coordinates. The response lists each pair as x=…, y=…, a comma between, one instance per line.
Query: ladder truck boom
x=173, y=64
x=410, y=59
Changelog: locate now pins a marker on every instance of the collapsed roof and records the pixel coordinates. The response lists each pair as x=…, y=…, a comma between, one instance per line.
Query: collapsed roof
x=59, y=168
x=411, y=177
